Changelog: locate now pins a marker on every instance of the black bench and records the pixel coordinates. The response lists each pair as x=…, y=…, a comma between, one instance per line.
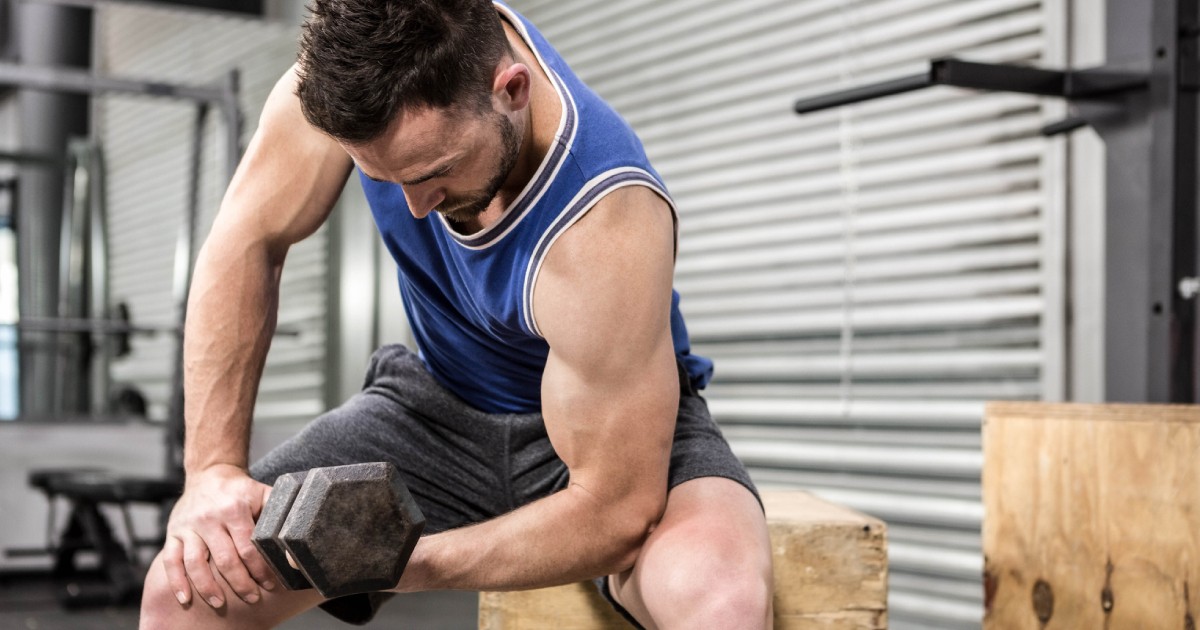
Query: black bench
x=120, y=573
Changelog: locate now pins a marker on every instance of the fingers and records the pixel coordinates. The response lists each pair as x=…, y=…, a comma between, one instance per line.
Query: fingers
x=249, y=555
x=172, y=559
x=209, y=551
x=195, y=561
x=228, y=560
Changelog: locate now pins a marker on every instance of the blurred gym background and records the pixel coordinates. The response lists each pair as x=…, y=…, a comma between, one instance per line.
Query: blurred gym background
x=865, y=277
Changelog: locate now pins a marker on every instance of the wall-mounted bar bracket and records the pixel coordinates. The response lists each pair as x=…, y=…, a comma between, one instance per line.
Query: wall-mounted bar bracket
x=1091, y=83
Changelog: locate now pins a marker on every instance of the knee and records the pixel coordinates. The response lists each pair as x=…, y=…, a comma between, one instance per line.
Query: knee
x=159, y=606
x=720, y=594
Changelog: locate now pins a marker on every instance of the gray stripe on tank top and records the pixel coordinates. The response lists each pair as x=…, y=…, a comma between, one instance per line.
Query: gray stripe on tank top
x=551, y=168
x=567, y=218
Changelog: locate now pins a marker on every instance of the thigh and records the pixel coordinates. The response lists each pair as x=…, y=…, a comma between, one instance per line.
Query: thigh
x=700, y=450
x=402, y=416
x=446, y=452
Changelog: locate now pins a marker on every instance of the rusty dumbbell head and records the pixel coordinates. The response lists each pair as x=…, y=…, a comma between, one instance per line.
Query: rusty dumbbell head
x=351, y=529
x=266, y=531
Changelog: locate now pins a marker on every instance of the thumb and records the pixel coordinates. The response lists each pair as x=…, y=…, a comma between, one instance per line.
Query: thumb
x=266, y=496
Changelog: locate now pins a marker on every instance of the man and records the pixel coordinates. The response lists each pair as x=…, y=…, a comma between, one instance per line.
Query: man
x=550, y=428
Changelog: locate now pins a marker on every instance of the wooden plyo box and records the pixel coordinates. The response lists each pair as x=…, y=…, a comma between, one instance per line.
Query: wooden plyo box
x=830, y=574
x=1092, y=516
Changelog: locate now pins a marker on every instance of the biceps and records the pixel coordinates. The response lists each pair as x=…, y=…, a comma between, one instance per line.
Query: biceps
x=614, y=428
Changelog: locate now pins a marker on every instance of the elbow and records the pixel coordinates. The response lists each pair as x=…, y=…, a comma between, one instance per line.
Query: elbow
x=632, y=523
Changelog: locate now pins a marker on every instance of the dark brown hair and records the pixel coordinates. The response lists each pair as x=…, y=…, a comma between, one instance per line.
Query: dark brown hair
x=363, y=62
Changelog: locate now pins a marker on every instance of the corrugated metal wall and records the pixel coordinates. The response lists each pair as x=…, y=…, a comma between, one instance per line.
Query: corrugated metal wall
x=864, y=278
x=147, y=145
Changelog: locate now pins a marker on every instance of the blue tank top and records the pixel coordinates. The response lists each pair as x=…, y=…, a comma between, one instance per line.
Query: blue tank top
x=469, y=297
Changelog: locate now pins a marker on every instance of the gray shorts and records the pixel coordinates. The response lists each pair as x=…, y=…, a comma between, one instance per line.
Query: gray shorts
x=463, y=465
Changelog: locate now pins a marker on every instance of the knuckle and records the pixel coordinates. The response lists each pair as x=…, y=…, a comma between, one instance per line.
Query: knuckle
x=245, y=547
x=239, y=581
x=204, y=582
x=256, y=565
x=261, y=572
x=210, y=516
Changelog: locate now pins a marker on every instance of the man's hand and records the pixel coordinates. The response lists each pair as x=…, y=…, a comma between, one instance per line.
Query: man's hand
x=213, y=520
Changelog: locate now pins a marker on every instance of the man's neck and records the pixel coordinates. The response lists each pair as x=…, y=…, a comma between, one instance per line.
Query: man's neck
x=541, y=125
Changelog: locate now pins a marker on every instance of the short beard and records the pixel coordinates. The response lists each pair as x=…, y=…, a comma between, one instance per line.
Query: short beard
x=460, y=211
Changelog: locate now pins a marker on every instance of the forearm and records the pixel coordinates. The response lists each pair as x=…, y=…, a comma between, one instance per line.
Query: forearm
x=566, y=537
x=231, y=319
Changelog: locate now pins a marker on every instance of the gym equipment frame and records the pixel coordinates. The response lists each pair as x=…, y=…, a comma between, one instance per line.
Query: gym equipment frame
x=222, y=96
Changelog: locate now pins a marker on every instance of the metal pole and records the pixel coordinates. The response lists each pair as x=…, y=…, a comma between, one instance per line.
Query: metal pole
x=1140, y=148
x=232, y=111
x=92, y=326
x=57, y=79
x=864, y=93
x=1184, y=230
x=46, y=36
x=70, y=347
x=98, y=283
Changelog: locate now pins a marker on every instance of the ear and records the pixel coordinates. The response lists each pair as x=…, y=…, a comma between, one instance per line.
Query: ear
x=513, y=86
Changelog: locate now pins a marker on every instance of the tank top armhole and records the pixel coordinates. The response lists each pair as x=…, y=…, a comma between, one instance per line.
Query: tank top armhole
x=586, y=199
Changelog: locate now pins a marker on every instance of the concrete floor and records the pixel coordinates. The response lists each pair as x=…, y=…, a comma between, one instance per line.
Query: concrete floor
x=29, y=604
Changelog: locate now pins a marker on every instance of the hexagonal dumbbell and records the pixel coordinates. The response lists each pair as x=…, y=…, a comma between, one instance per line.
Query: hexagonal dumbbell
x=270, y=521
x=349, y=529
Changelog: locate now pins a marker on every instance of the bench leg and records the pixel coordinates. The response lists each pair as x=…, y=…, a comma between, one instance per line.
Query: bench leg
x=87, y=528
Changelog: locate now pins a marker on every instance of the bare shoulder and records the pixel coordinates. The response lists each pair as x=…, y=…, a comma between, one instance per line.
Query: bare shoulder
x=609, y=273
x=283, y=122
x=290, y=175
x=630, y=221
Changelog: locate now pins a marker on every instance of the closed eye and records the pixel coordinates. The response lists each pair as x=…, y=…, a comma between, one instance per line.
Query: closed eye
x=441, y=172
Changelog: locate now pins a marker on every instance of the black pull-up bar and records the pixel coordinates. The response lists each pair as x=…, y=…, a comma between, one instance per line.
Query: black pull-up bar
x=985, y=76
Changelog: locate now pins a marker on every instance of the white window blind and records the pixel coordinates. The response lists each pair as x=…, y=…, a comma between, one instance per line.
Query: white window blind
x=864, y=278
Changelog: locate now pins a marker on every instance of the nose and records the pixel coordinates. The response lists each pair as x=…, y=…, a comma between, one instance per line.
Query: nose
x=422, y=200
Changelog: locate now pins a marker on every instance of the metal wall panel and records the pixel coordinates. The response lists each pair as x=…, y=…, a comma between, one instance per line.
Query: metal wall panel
x=146, y=144
x=864, y=278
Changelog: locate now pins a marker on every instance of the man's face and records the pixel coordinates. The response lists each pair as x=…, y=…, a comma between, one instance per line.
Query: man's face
x=451, y=162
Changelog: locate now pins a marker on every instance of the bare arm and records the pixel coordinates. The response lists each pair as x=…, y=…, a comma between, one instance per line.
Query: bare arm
x=610, y=394
x=282, y=192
